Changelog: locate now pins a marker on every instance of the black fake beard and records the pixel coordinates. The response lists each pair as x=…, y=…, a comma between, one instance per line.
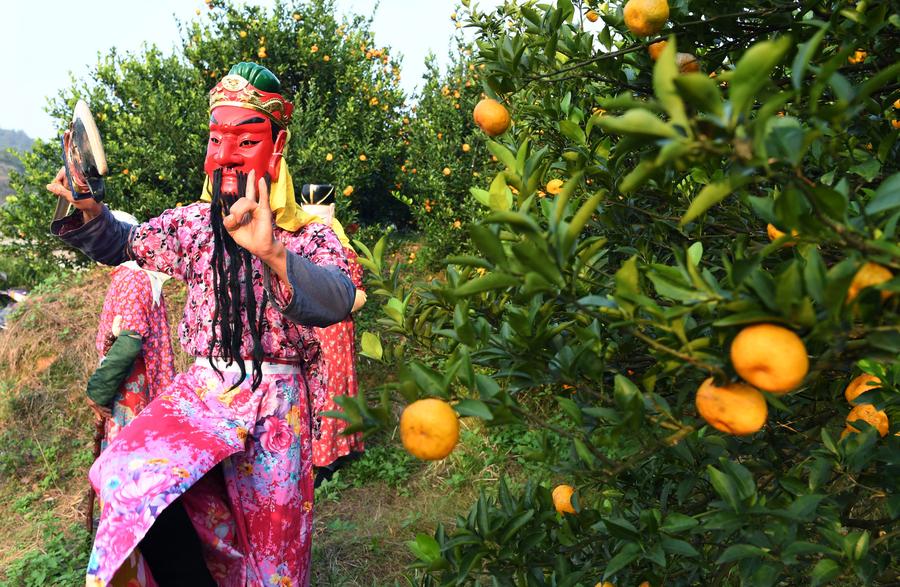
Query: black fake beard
x=232, y=270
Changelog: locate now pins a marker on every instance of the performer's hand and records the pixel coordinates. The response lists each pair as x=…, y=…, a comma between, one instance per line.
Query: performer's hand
x=249, y=220
x=59, y=187
x=359, y=301
x=100, y=412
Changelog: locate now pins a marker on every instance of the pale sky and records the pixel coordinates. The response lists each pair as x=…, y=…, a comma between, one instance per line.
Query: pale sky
x=41, y=41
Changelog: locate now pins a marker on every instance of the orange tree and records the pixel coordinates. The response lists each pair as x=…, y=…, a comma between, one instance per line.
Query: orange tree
x=446, y=155
x=649, y=289
x=151, y=109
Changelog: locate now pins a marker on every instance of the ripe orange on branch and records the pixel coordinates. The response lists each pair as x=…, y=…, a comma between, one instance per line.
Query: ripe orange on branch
x=491, y=116
x=770, y=357
x=656, y=49
x=872, y=415
x=429, y=429
x=736, y=408
x=860, y=385
x=562, y=499
x=646, y=17
x=868, y=275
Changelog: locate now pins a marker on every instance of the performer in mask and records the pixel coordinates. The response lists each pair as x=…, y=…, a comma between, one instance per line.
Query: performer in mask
x=230, y=439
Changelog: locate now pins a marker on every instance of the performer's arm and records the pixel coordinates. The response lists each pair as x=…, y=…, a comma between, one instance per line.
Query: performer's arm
x=109, y=376
x=307, y=293
x=312, y=287
x=102, y=238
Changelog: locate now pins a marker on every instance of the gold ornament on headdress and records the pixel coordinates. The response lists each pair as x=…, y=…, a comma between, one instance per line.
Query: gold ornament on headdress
x=234, y=90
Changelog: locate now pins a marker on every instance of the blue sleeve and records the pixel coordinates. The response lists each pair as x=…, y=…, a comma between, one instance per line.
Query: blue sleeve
x=321, y=295
x=104, y=239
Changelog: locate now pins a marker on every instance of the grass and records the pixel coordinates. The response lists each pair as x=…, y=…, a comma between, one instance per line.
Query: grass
x=364, y=515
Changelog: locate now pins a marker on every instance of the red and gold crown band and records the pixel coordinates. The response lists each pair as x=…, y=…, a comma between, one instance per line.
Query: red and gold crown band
x=234, y=90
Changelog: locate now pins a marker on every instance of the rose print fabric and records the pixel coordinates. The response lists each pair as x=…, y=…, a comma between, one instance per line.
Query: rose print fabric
x=338, y=344
x=242, y=459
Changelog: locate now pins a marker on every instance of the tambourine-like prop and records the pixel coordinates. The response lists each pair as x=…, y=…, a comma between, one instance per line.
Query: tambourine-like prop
x=317, y=194
x=83, y=158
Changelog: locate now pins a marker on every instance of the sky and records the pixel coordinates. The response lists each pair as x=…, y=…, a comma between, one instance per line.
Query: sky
x=43, y=41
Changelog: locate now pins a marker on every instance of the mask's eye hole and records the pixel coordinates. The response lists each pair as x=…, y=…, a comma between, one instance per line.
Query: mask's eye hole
x=248, y=143
x=214, y=140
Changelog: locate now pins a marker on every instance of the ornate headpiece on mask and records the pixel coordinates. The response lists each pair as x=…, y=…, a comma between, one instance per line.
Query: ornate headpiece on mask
x=252, y=86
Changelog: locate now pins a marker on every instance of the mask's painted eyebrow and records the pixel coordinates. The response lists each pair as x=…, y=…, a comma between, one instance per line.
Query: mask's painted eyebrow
x=254, y=120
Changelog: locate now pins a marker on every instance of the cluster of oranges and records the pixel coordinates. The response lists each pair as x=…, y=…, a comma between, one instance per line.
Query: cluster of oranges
x=865, y=412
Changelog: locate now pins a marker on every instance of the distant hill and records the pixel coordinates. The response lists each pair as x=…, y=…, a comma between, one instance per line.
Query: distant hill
x=15, y=139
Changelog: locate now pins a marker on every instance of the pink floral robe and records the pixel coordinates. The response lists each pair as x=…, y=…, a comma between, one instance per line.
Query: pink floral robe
x=339, y=352
x=241, y=459
x=130, y=296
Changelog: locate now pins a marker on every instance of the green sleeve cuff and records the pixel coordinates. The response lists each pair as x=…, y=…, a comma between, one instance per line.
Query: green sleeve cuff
x=112, y=372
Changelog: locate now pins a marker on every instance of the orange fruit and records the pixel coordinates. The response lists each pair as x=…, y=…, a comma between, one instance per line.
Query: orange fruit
x=860, y=385
x=656, y=49
x=646, y=17
x=736, y=408
x=242, y=34
x=868, y=275
x=687, y=63
x=554, y=186
x=770, y=357
x=868, y=413
x=466, y=148
x=491, y=116
x=775, y=234
x=562, y=499
x=591, y=15
x=329, y=157
x=895, y=123
x=645, y=584
x=858, y=57
x=429, y=428
x=362, y=157
x=348, y=190
x=446, y=171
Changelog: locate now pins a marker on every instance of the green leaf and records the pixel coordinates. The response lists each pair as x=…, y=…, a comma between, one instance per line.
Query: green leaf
x=483, y=197
x=489, y=244
x=740, y=552
x=887, y=196
x=638, y=122
x=628, y=553
x=485, y=283
x=698, y=89
x=824, y=571
x=570, y=408
x=474, y=407
x=572, y=131
x=676, y=523
x=425, y=548
x=679, y=547
x=711, y=195
x=805, y=52
x=724, y=486
x=505, y=156
x=371, y=346
x=665, y=71
x=627, y=278
x=753, y=71
x=499, y=194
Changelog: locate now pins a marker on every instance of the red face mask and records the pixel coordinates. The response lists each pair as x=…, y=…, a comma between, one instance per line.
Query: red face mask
x=240, y=140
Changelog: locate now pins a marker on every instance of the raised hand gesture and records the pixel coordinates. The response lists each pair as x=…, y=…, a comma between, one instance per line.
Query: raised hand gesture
x=249, y=220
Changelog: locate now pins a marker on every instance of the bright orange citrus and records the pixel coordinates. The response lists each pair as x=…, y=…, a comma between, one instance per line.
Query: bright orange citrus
x=429, y=429
x=860, y=385
x=491, y=116
x=656, y=49
x=646, y=17
x=562, y=499
x=770, y=357
x=868, y=275
x=775, y=234
x=736, y=408
x=554, y=186
x=868, y=413
x=591, y=15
